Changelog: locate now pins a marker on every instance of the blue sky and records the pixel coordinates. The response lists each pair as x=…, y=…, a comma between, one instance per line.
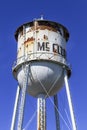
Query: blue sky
x=70, y=13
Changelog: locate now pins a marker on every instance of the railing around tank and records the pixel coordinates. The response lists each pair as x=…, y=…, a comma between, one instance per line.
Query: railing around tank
x=41, y=56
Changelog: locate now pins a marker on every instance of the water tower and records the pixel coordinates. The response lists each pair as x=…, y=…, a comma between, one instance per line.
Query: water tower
x=41, y=68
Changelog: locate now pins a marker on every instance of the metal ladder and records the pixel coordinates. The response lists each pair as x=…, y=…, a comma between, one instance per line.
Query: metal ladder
x=24, y=39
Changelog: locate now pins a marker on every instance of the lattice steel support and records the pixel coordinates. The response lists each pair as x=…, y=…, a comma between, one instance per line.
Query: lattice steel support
x=70, y=101
x=22, y=98
x=41, y=113
x=15, y=108
x=56, y=112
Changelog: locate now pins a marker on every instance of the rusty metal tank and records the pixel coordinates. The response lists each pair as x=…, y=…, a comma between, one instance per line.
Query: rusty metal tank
x=41, y=44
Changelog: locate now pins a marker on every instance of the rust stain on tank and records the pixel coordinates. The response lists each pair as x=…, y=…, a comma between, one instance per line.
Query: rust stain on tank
x=43, y=27
x=45, y=37
x=31, y=39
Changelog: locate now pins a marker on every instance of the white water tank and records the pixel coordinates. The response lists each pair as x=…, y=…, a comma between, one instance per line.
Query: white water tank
x=42, y=45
